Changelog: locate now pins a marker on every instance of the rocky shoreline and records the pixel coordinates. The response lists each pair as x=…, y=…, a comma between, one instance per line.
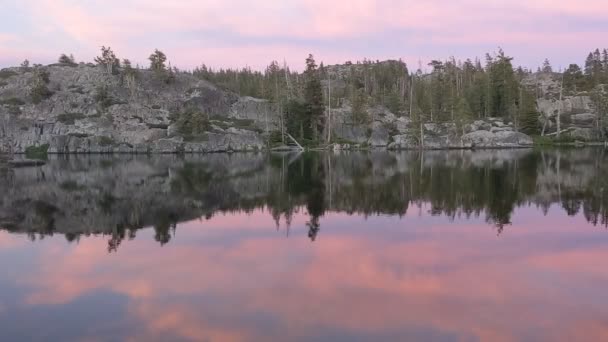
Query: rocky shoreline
x=140, y=119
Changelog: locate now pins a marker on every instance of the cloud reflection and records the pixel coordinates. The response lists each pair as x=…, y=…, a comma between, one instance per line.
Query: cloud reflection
x=371, y=279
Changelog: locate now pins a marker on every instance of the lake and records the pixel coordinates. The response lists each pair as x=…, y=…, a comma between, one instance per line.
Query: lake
x=369, y=246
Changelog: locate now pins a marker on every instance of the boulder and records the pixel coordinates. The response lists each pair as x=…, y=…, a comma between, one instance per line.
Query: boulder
x=500, y=129
x=403, y=141
x=379, y=136
x=583, y=119
x=480, y=125
x=482, y=139
x=354, y=133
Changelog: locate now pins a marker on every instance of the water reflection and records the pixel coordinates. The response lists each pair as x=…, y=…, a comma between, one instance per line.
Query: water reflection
x=405, y=248
x=119, y=195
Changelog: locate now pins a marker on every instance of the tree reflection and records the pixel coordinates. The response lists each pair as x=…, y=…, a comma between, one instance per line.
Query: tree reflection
x=160, y=193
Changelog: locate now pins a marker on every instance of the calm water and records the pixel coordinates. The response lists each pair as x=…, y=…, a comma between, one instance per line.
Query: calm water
x=442, y=246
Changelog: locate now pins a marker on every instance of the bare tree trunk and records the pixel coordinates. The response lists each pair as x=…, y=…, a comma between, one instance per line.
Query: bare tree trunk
x=559, y=111
x=279, y=106
x=287, y=83
x=329, y=109
x=421, y=133
x=295, y=141
x=411, y=96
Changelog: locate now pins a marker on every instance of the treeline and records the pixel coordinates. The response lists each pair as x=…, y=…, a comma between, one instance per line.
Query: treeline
x=451, y=91
x=594, y=73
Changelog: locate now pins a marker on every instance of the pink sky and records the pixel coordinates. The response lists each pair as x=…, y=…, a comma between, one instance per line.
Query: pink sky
x=541, y=279
x=254, y=32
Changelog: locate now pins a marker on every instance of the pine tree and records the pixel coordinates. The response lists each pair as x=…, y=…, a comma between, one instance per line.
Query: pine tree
x=462, y=114
x=503, y=86
x=547, y=66
x=528, y=114
x=157, y=61
x=108, y=60
x=573, y=78
x=359, y=108
x=129, y=75
x=313, y=97
x=66, y=60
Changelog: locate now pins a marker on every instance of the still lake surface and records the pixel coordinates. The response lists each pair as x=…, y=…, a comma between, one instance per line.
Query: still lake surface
x=443, y=245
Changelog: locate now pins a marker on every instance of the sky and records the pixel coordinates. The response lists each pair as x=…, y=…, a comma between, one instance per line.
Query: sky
x=236, y=33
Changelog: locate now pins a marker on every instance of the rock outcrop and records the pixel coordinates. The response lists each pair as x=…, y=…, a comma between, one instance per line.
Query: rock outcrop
x=90, y=111
x=137, y=119
x=579, y=117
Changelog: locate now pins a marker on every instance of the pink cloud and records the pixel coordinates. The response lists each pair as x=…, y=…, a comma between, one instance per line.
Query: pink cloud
x=267, y=29
x=460, y=279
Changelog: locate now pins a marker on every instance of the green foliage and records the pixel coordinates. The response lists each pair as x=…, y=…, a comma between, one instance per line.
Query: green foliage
x=5, y=73
x=528, y=115
x=462, y=114
x=313, y=99
x=574, y=80
x=106, y=141
x=503, y=85
x=14, y=110
x=108, y=60
x=67, y=60
x=157, y=61
x=37, y=152
x=192, y=123
x=600, y=100
x=79, y=135
x=296, y=115
x=395, y=104
x=129, y=75
x=70, y=118
x=359, y=115
x=13, y=105
x=103, y=98
x=71, y=186
x=39, y=90
x=275, y=138
x=12, y=101
x=552, y=140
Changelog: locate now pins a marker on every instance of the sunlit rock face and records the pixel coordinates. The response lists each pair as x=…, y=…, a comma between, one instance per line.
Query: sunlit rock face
x=140, y=118
x=137, y=119
x=579, y=115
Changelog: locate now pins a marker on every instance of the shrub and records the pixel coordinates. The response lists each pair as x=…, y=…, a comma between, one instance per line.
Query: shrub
x=12, y=101
x=40, y=92
x=4, y=73
x=78, y=135
x=103, y=98
x=274, y=138
x=37, y=152
x=14, y=110
x=192, y=123
x=106, y=141
x=70, y=185
x=67, y=60
x=243, y=123
x=70, y=118
x=158, y=126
